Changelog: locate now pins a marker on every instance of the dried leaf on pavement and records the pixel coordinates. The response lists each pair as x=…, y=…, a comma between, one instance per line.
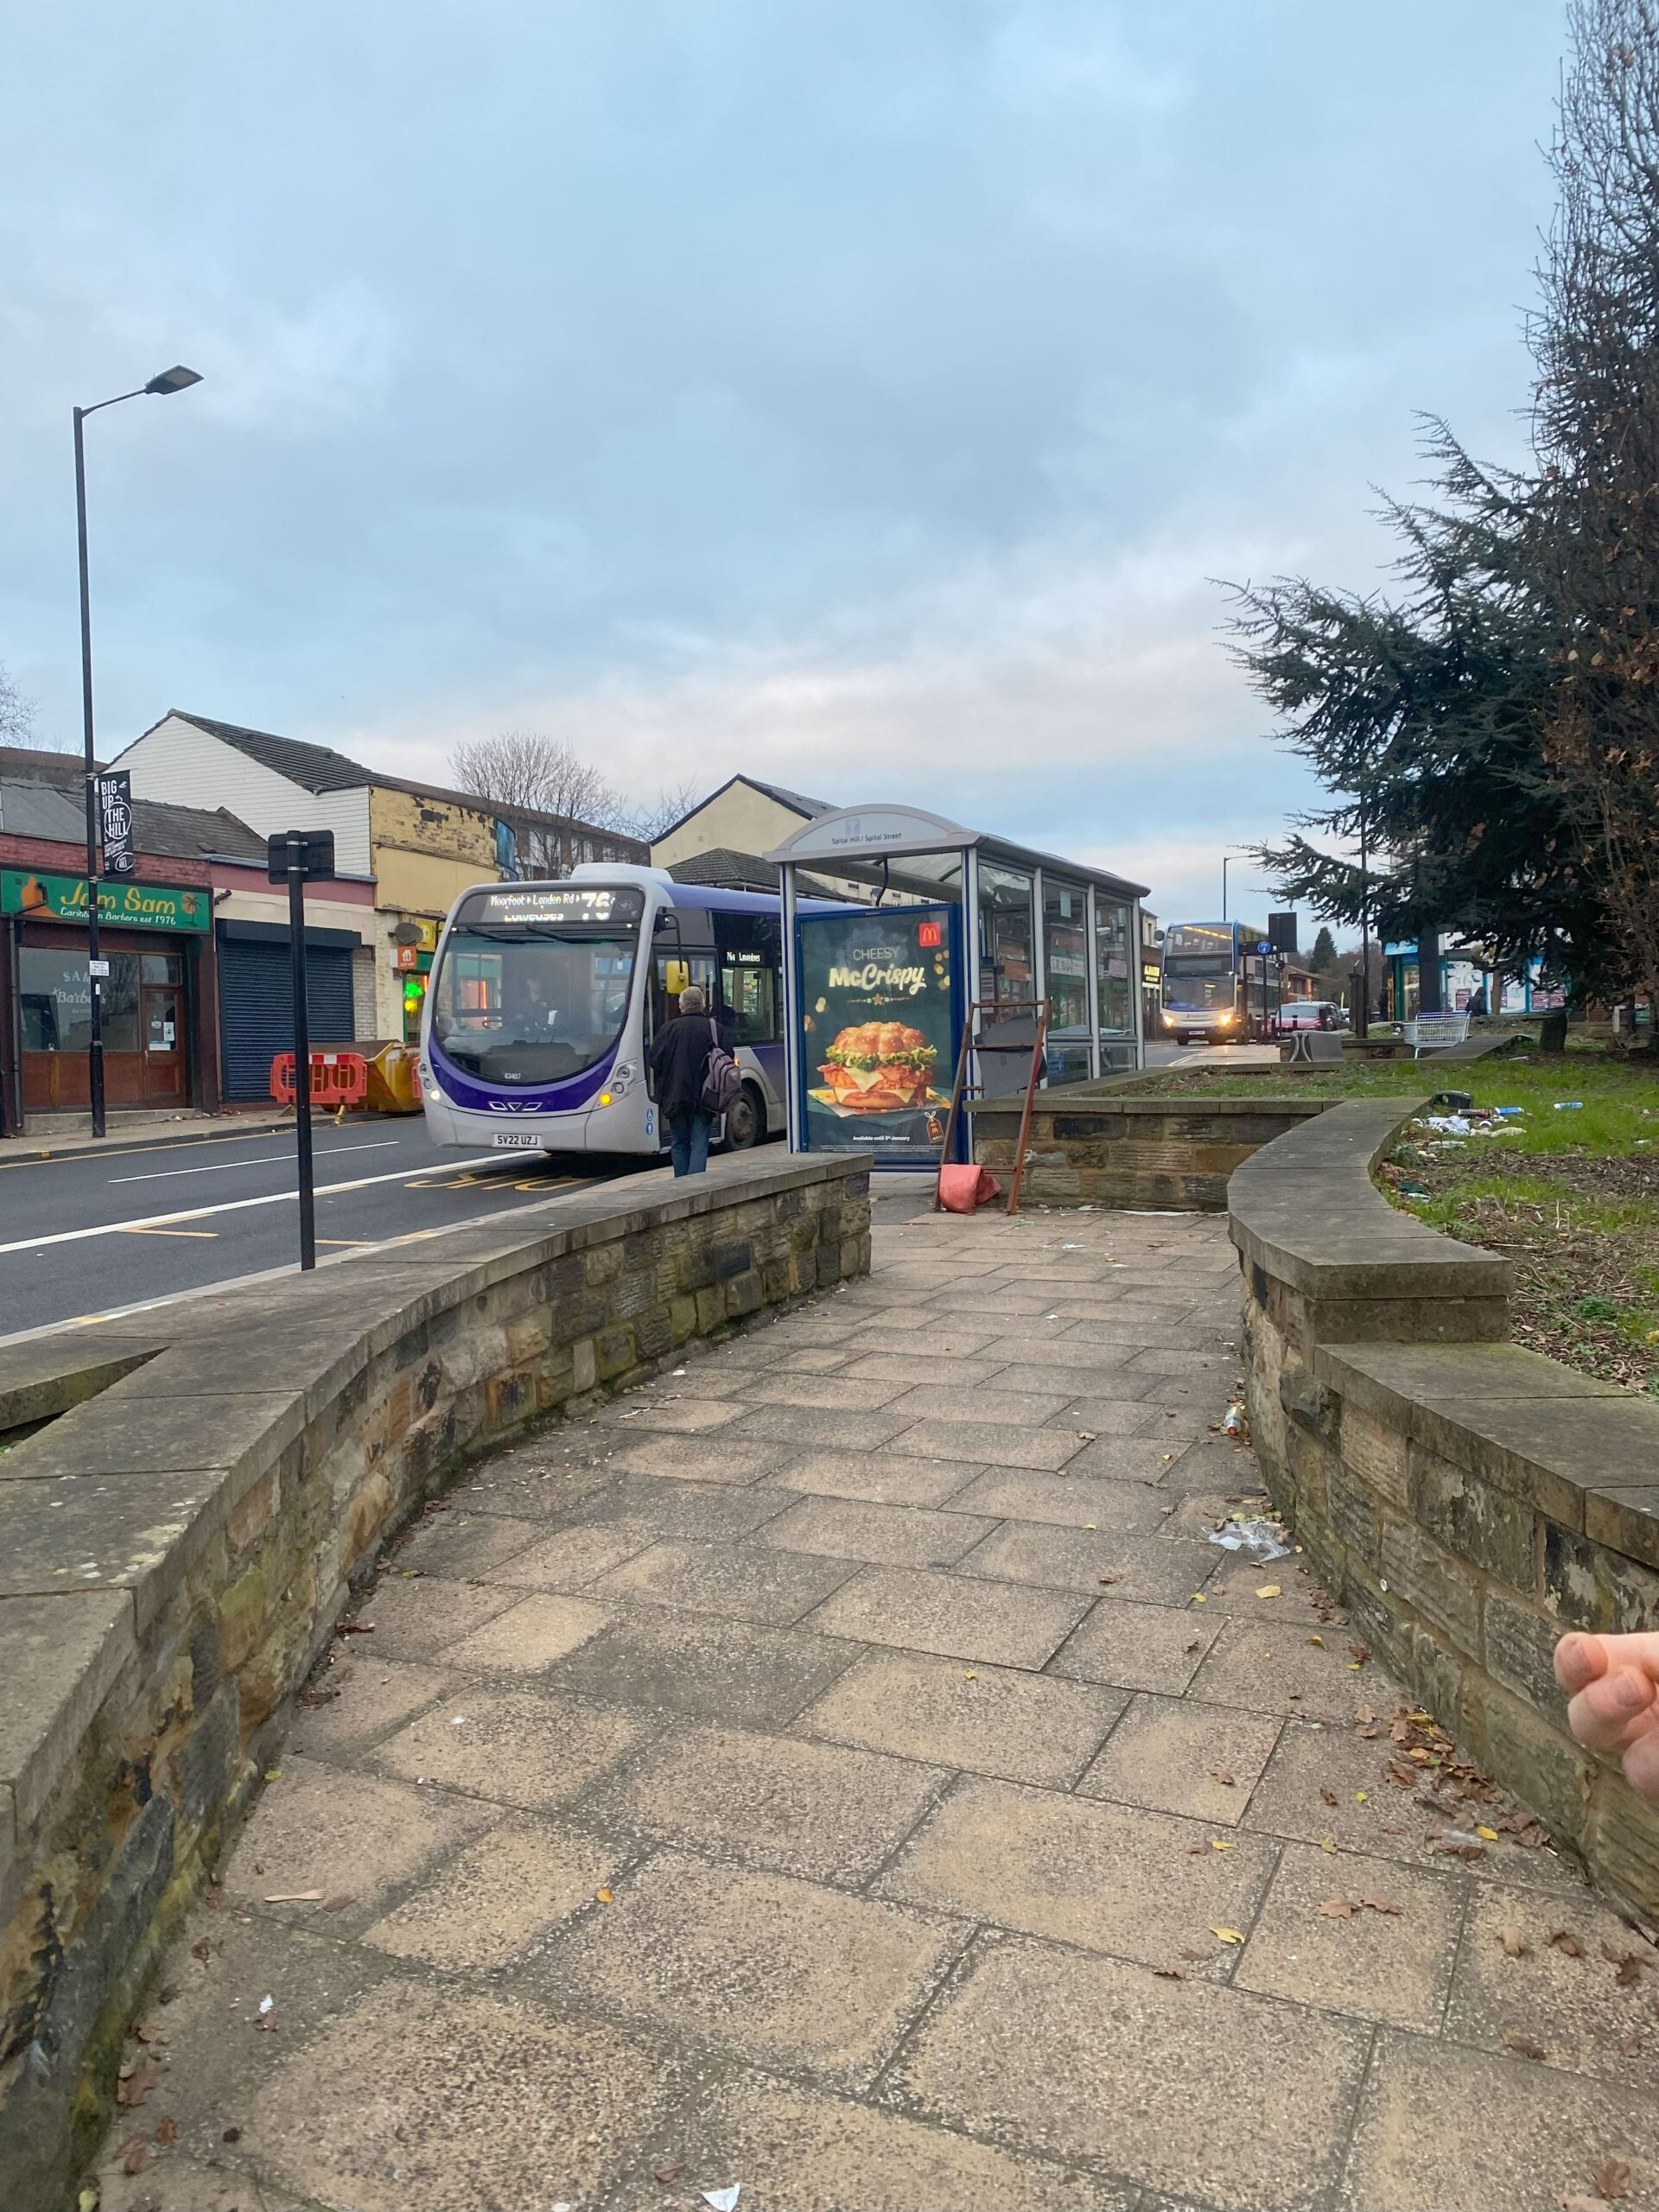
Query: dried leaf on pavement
x=1612, y=2179
x=1516, y=1945
x=1226, y=1935
x=1564, y=1939
x=1338, y=1908
x=1522, y=2046
x=1381, y=1904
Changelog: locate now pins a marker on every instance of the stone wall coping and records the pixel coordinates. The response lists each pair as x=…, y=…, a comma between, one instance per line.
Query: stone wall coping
x=102, y=1517
x=1305, y=1210
x=1583, y=1451
x=1113, y=1105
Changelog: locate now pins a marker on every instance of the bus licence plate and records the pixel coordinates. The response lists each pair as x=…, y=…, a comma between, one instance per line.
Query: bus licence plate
x=515, y=1141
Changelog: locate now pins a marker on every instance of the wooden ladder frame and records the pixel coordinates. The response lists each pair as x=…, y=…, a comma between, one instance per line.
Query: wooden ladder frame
x=962, y=1089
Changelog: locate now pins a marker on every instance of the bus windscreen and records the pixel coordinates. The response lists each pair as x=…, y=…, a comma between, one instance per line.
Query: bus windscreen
x=533, y=985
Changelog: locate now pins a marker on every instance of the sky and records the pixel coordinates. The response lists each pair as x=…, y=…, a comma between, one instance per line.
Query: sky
x=870, y=395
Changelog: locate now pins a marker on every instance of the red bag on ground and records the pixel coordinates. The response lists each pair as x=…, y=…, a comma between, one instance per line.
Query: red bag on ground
x=961, y=1188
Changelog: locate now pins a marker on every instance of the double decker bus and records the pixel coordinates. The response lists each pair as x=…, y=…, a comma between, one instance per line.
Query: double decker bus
x=544, y=999
x=1207, y=969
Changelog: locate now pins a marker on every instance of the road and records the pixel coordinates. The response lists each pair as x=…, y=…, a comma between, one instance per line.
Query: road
x=85, y=1235
x=88, y=1234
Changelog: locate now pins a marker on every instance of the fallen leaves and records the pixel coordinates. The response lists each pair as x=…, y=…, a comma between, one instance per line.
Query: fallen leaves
x=606, y=1897
x=1344, y=1908
x=1516, y=1945
x=669, y=2172
x=1318, y=1641
x=1227, y=1935
x=1271, y=1590
x=1522, y=2046
x=1565, y=1941
x=1169, y=1974
x=1329, y=1796
x=1612, y=2179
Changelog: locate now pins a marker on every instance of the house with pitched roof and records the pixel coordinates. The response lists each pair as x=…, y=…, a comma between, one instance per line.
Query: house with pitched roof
x=417, y=845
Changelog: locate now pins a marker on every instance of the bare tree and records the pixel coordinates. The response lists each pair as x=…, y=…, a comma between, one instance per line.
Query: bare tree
x=1595, y=535
x=652, y=818
x=527, y=768
x=17, y=713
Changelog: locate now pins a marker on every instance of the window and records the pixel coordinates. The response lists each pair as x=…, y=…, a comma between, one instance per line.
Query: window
x=748, y=947
x=56, y=1002
x=1006, y=972
x=1066, y=957
x=1114, y=951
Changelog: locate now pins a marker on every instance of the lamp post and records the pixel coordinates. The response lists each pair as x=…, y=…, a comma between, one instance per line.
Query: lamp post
x=170, y=380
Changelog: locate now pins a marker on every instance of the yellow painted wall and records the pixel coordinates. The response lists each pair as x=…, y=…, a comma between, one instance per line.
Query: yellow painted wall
x=742, y=819
x=426, y=852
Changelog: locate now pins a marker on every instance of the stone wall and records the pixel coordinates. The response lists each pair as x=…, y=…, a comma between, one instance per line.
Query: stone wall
x=1467, y=1500
x=1103, y=1145
x=180, y=1534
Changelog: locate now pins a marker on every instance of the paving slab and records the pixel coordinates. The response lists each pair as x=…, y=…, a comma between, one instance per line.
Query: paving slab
x=658, y=1661
x=1034, y=1859
x=722, y=1457
x=815, y=1809
x=503, y=1893
x=701, y=1513
x=1359, y=1935
x=1270, y=1667
x=990, y=1443
x=985, y=1719
x=880, y=1478
x=529, y=1637
x=894, y=1535
x=952, y=1614
x=1501, y=2134
x=572, y=1558
x=1177, y=1755
x=361, y=1697
x=1179, y=2086
x=529, y=1748
x=782, y=1972
x=418, y=1618
x=1138, y=1647
x=809, y=2152
x=1066, y=1501
x=439, y=2099
x=743, y=1582
x=456, y=1544
x=1157, y=1570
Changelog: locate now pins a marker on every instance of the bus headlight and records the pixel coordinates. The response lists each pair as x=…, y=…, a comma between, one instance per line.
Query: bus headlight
x=621, y=1083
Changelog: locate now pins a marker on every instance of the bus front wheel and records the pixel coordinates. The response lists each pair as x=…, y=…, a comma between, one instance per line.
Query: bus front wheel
x=746, y=1120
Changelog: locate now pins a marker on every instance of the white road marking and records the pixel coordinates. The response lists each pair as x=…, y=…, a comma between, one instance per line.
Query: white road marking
x=263, y=1159
x=236, y=1205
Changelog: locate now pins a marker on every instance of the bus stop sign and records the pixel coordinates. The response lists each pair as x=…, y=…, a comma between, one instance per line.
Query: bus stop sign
x=307, y=853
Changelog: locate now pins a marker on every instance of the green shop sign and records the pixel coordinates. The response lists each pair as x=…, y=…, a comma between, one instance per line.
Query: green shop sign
x=127, y=905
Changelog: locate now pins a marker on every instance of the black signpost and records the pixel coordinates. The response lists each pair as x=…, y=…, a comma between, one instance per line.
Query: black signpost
x=292, y=858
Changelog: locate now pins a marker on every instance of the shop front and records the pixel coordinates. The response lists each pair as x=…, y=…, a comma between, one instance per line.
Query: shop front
x=966, y=931
x=155, y=945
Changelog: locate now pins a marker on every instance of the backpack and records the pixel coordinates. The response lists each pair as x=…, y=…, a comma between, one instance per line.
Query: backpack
x=723, y=1081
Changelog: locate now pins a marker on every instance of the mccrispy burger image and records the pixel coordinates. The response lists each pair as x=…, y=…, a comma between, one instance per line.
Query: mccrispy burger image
x=879, y=1067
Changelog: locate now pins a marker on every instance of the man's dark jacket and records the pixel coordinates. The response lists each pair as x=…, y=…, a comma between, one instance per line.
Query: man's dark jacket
x=679, y=1060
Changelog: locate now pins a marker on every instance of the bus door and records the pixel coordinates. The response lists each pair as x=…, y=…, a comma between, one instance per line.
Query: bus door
x=750, y=1001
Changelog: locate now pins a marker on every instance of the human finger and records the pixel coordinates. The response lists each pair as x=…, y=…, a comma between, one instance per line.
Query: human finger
x=1642, y=1763
x=1579, y=1661
x=1604, y=1716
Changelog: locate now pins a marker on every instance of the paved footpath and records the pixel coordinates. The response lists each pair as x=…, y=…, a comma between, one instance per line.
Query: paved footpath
x=845, y=1770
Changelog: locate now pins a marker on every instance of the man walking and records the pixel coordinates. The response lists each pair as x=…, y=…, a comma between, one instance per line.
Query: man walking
x=679, y=1062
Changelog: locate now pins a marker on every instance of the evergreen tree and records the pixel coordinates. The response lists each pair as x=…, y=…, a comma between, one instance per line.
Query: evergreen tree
x=1323, y=958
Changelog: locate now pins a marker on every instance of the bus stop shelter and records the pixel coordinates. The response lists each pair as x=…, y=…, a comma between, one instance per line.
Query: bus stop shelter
x=877, y=994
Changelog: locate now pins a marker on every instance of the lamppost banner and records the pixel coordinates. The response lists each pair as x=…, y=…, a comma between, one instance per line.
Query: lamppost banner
x=115, y=822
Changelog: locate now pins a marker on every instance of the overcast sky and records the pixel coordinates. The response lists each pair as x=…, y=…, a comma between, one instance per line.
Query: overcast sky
x=858, y=393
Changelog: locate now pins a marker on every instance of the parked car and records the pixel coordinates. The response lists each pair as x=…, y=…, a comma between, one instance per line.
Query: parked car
x=1308, y=1014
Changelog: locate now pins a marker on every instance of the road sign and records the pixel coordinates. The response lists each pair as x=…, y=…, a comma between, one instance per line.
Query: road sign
x=305, y=854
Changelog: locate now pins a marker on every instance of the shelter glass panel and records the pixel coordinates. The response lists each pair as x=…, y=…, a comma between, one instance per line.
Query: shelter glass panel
x=1007, y=960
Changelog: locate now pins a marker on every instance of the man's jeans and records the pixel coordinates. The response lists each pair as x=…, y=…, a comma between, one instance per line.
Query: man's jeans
x=688, y=1139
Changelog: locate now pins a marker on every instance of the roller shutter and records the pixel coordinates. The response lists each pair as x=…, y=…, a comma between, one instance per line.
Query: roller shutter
x=256, y=1007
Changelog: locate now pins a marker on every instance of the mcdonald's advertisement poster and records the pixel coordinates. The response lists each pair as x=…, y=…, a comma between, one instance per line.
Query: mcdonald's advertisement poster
x=878, y=1030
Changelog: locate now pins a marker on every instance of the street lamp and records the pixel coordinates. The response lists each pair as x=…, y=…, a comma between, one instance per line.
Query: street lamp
x=177, y=379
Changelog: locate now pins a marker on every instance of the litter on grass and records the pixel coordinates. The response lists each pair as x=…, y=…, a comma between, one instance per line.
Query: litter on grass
x=1569, y=1105
x=723, y=2200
